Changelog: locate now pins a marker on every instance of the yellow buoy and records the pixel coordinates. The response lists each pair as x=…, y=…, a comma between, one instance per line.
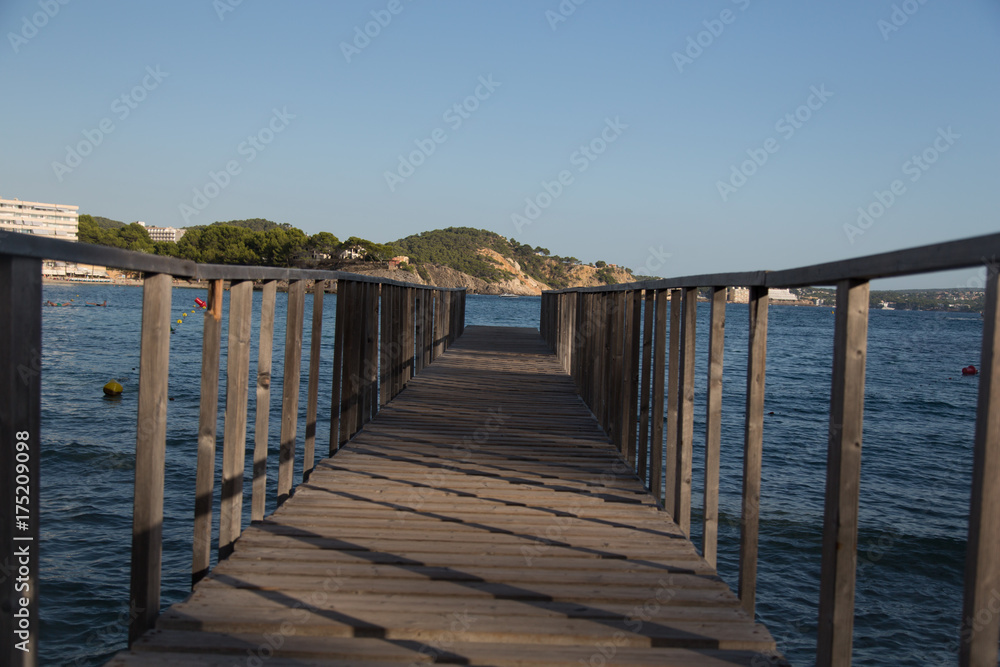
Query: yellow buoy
x=185, y=314
x=178, y=321
x=112, y=389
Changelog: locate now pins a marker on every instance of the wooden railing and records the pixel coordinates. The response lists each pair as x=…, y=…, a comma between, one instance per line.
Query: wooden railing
x=613, y=340
x=386, y=332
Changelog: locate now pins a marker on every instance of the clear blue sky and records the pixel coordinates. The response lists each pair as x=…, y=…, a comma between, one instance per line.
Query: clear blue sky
x=682, y=125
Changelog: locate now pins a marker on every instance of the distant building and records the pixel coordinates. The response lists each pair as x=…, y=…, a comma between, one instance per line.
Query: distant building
x=354, y=252
x=781, y=295
x=56, y=221
x=397, y=260
x=171, y=234
x=738, y=295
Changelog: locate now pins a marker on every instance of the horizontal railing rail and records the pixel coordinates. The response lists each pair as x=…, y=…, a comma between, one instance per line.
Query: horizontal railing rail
x=628, y=365
x=386, y=332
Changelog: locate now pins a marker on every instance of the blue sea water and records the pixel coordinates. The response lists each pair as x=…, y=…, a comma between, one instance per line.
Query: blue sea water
x=916, y=466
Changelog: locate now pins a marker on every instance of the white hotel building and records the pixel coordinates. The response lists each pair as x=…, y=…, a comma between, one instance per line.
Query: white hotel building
x=28, y=217
x=163, y=233
x=54, y=221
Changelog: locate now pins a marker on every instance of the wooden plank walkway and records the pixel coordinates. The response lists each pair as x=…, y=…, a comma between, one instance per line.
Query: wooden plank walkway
x=482, y=518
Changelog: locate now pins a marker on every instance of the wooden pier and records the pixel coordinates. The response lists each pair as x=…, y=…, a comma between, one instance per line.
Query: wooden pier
x=485, y=499
x=481, y=518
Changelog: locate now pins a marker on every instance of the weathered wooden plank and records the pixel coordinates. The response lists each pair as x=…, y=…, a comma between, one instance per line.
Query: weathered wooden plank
x=616, y=371
x=368, y=329
x=221, y=649
x=428, y=343
x=337, y=383
x=290, y=387
x=235, y=428
x=634, y=343
x=713, y=425
x=20, y=454
x=312, y=396
x=659, y=372
x=980, y=623
x=649, y=307
x=350, y=385
x=409, y=368
x=486, y=487
x=207, y=419
x=843, y=476
x=753, y=447
x=265, y=351
x=150, y=452
x=673, y=401
x=685, y=412
x=372, y=357
x=419, y=302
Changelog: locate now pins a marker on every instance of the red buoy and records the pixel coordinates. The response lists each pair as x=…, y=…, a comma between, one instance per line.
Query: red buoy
x=969, y=370
x=201, y=303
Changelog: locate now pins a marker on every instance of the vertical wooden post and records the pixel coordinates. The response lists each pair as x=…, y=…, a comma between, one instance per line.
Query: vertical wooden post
x=150, y=452
x=207, y=418
x=580, y=330
x=588, y=356
x=644, y=394
x=290, y=387
x=385, y=346
x=439, y=323
x=419, y=299
x=235, y=434
x=428, y=344
x=371, y=362
x=685, y=412
x=336, y=413
x=20, y=445
x=449, y=313
x=360, y=310
x=409, y=370
x=312, y=396
x=604, y=357
x=634, y=342
x=659, y=361
x=843, y=476
x=673, y=399
x=349, y=384
x=980, y=621
x=713, y=425
x=368, y=328
x=753, y=447
x=262, y=423
x=616, y=370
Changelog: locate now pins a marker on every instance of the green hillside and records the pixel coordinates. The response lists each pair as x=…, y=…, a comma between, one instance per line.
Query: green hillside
x=457, y=247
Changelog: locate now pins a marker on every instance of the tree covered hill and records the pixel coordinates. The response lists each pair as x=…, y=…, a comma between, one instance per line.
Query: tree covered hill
x=501, y=263
x=461, y=248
